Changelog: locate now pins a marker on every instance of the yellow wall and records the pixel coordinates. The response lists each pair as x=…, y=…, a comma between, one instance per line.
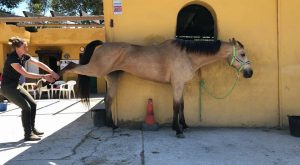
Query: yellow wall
x=289, y=61
x=6, y=32
x=67, y=36
x=254, y=102
x=69, y=41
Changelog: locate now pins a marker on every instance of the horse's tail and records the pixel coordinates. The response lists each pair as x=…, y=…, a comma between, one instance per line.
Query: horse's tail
x=83, y=80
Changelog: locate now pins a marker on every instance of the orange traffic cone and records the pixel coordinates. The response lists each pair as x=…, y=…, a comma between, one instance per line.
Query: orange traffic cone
x=150, y=115
x=150, y=124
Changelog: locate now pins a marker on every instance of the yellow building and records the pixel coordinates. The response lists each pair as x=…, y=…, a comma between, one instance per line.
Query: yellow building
x=269, y=30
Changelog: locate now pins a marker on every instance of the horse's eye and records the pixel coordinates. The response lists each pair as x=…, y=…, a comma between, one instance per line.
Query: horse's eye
x=243, y=55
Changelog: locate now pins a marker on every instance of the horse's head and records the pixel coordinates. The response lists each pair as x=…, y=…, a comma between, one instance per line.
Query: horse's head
x=239, y=60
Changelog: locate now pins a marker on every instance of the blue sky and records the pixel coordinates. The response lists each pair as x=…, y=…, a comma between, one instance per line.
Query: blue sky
x=22, y=7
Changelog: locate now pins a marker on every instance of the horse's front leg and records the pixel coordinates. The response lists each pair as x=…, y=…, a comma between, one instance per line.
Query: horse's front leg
x=177, y=106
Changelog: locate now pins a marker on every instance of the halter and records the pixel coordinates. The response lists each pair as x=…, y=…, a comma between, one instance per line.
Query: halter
x=203, y=85
x=241, y=62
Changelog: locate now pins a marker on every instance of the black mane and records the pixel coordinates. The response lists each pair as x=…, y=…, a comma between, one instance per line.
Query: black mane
x=206, y=47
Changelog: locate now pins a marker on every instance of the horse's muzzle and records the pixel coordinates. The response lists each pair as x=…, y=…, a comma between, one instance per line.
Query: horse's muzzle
x=248, y=73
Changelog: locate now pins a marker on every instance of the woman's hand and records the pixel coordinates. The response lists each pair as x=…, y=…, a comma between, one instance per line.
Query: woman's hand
x=55, y=75
x=49, y=78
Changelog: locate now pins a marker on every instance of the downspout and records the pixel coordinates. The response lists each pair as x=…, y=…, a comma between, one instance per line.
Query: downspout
x=280, y=124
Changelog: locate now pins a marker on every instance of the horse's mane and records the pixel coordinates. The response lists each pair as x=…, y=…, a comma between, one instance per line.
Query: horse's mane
x=89, y=49
x=205, y=47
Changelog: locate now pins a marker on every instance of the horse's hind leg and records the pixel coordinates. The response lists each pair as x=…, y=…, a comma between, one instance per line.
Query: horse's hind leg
x=88, y=69
x=111, y=80
x=177, y=107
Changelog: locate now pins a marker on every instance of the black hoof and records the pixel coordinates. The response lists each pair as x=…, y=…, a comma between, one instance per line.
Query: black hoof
x=185, y=127
x=180, y=135
x=117, y=129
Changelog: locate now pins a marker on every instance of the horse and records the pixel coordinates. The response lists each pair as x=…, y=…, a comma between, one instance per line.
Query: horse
x=174, y=61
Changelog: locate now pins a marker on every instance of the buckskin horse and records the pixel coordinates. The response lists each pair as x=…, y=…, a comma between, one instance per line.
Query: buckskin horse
x=173, y=61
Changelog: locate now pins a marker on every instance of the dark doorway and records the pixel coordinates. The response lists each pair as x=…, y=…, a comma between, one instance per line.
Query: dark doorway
x=195, y=22
x=50, y=58
x=93, y=82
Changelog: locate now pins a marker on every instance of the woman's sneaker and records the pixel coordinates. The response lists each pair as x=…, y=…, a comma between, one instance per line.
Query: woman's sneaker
x=32, y=137
x=36, y=132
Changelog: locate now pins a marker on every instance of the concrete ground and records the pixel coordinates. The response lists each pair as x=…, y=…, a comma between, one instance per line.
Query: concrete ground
x=71, y=138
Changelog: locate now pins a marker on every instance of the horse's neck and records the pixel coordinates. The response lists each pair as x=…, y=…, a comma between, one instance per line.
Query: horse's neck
x=200, y=60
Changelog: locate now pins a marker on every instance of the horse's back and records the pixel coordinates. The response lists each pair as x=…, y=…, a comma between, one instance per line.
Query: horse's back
x=123, y=50
x=154, y=62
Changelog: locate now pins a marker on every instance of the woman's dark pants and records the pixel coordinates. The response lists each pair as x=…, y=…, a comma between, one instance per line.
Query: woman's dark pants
x=25, y=101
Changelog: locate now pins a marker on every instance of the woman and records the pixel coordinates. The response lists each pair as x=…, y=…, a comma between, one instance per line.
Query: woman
x=13, y=69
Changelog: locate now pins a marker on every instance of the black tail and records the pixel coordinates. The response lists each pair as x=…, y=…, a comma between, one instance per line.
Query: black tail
x=83, y=80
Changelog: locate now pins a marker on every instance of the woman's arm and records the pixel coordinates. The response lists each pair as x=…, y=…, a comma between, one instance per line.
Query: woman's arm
x=44, y=67
x=19, y=68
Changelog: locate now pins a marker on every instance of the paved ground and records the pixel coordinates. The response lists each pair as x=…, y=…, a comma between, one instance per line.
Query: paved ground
x=71, y=138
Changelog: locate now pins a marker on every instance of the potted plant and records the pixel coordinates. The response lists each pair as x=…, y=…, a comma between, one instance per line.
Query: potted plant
x=294, y=125
x=3, y=104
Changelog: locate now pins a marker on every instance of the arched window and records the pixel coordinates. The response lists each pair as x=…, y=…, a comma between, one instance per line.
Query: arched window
x=195, y=22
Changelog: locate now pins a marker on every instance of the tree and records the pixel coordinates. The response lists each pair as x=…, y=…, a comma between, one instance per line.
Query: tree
x=38, y=6
x=8, y=5
x=67, y=7
x=34, y=6
x=72, y=7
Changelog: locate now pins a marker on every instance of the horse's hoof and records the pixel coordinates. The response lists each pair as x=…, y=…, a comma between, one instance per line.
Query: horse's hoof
x=186, y=129
x=116, y=130
x=184, y=126
x=180, y=135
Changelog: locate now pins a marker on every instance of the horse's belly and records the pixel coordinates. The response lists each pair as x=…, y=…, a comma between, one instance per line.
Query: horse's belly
x=152, y=75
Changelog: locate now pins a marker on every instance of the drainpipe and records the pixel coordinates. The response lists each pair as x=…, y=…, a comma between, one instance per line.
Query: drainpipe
x=280, y=123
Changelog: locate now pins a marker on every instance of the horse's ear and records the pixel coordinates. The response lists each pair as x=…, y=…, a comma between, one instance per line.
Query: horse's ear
x=240, y=44
x=233, y=41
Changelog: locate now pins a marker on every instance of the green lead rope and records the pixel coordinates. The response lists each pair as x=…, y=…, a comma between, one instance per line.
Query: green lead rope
x=202, y=84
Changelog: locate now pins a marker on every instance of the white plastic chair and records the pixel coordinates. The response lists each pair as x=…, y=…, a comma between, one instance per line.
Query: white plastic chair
x=67, y=88
x=31, y=88
x=41, y=88
x=55, y=87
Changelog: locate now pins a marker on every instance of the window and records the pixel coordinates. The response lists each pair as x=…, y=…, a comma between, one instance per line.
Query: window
x=195, y=22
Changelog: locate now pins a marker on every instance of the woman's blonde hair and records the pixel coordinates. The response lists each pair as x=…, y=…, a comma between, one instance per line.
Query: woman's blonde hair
x=16, y=42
